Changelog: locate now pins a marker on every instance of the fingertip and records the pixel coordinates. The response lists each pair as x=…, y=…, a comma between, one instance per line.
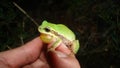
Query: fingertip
x=36, y=41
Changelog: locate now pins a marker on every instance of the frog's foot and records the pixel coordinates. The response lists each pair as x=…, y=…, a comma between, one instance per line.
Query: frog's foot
x=54, y=45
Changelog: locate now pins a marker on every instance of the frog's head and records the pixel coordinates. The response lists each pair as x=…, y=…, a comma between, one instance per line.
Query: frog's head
x=46, y=27
x=45, y=30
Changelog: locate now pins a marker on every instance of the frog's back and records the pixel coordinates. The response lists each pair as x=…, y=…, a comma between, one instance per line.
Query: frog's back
x=65, y=31
x=61, y=30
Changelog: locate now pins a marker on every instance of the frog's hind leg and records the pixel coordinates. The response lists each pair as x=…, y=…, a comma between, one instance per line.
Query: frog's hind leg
x=75, y=46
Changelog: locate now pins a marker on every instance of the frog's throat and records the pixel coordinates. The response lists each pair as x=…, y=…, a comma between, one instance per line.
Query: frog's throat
x=67, y=42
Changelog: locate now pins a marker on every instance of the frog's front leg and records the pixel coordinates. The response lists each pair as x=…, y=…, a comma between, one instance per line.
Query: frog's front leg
x=54, y=45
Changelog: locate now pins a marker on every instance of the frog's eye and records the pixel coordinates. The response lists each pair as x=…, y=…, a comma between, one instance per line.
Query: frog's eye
x=47, y=29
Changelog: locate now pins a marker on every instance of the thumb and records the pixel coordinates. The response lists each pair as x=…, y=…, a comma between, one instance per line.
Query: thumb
x=22, y=55
x=61, y=60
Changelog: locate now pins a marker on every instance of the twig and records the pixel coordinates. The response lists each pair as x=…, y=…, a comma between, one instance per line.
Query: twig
x=89, y=38
x=9, y=47
x=21, y=38
x=23, y=11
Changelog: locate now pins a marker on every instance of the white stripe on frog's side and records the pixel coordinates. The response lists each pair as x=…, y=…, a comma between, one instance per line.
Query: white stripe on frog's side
x=67, y=42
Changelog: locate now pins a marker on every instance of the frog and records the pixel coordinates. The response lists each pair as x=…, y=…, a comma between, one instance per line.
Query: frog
x=59, y=33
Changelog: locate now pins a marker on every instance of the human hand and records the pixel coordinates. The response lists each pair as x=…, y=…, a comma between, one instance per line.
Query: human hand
x=34, y=55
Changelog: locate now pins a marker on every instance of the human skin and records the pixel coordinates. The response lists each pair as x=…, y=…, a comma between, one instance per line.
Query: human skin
x=34, y=54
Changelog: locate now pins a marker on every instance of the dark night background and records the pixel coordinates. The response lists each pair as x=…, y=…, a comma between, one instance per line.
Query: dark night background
x=96, y=24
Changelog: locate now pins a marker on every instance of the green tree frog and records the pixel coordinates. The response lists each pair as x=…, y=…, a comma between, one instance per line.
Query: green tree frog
x=59, y=33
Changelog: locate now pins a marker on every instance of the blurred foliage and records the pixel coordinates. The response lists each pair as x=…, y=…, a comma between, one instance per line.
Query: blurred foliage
x=96, y=24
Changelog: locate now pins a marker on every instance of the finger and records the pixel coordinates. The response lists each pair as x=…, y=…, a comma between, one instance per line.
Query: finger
x=63, y=48
x=22, y=55
x=61, y=60
x=41, y=62
x=37, y=64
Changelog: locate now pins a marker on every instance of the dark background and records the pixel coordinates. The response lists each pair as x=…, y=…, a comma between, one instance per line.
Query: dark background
x=96, y=24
